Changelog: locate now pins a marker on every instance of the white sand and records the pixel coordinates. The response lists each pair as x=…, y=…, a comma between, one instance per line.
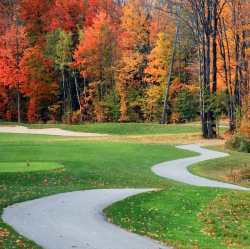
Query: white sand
x=47, y=131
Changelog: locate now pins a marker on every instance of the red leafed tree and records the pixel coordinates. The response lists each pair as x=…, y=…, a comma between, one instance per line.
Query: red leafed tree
x=32, y=12
x=12, y=45
x=95, y=57
x=67, y=15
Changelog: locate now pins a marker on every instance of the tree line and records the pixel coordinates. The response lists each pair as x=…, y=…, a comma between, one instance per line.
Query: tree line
x=76, y=61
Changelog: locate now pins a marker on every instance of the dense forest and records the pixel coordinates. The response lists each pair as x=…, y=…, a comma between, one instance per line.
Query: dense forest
x=76, y=61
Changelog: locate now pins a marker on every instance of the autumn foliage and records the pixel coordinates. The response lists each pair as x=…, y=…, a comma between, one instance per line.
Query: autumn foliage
x=109, y=61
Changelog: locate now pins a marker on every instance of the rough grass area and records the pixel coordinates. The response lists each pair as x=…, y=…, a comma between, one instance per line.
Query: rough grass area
x=226, y=169
x=227, y=217
x=167, y=139
x=171, y=216
x=26, y=166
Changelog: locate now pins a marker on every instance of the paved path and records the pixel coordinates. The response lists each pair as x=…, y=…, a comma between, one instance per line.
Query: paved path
x=75, y=220
x=177, y=169
x=47, y=131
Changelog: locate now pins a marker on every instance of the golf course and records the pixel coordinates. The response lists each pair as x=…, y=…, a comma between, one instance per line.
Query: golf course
x=176, y=214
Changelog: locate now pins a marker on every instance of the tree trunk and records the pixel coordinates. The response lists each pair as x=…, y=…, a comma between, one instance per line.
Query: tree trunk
x=8, y=98
x=215, y=30
x=230, y=100
x=179, y=52
x=207, y=83
x=85, y=97
x=113, y=95
x=64, y=97
x=214, y=71
x=236, y=82
x=17, y=65
x=78, y=98
x=69, y=99
x=204, y=121
x=19, y=103
x=169, y=77
x=223, y=55
x=201, y=93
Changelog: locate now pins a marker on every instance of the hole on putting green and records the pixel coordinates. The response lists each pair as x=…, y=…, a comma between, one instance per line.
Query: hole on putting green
x=31, y=166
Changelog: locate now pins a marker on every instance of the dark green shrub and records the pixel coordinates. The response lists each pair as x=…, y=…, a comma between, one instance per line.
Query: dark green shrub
x=239, y=143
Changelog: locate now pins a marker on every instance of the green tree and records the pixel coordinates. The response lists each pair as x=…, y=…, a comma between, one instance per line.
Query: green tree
x=59, y=50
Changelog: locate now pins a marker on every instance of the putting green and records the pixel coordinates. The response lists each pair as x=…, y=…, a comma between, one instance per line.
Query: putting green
x=33, y=166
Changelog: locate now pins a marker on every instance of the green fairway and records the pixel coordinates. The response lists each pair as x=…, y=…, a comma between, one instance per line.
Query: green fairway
x=87, y=165
x=30, y=166
x=103, y=164
x=134, y=128
x=122, y=128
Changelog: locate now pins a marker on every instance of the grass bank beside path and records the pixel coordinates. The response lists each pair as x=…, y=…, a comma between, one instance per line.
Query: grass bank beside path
x=86, y=165
x=198, y=217
x=121, y=128
x=172, y=216
x=221, y=169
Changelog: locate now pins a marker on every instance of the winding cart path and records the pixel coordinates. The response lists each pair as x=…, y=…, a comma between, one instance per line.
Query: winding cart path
x=177, y=169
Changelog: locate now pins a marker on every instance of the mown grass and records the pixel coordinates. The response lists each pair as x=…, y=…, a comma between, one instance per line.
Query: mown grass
x=27, y=166
x=169, y=215
x=227, y=217
x=87, y=165
x=220, y=169
x=121, y=128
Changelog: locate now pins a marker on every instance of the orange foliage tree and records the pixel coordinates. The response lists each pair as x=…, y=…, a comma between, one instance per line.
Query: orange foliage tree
x=122, y=57
x=135, y=45
x=95, y=56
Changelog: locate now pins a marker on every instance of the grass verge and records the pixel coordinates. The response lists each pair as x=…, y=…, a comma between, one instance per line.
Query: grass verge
x=221, y=169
